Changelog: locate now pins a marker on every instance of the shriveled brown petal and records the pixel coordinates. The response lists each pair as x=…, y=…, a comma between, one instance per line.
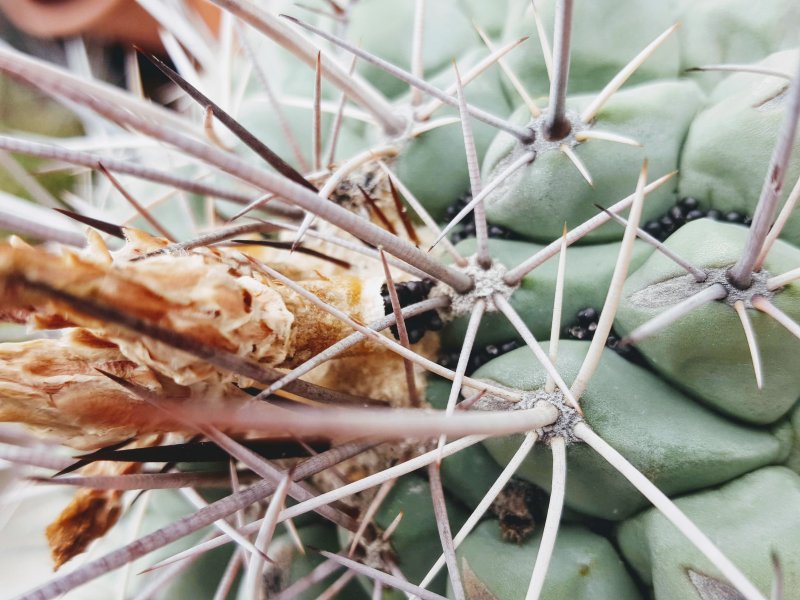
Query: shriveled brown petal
x=52, y=385
x=89, y=515
x=211, y=294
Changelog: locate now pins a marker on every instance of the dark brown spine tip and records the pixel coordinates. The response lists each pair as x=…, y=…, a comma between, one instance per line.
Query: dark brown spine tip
x=116, y=231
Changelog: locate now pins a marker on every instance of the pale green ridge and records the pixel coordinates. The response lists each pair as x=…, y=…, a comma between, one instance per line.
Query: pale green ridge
x=706, y=353
x=748, y=519
x=677, y=443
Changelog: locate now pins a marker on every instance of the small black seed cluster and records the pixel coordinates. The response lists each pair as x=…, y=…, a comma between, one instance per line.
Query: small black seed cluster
x=479, y=356
x=685, y=210
x=411, y=292
x=466, y=228
x=584, y=326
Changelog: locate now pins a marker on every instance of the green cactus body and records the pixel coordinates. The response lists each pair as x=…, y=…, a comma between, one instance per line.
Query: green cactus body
x=265, y=125
x=585, y=566
x=689, y=415
x=468, y=474
x=587, y=278
x=27, y=110
x=793, y=462
x=667, y=435
x=739, y=128
x=598, y=53
x=706, y=353
x=415, y=542
x=434, y=163
x=717, y=32
x=751, y=519
x=537, y=200
x=290, y=565
x=378, y=24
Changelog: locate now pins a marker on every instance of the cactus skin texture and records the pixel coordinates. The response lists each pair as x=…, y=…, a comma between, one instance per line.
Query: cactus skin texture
x=689, y=414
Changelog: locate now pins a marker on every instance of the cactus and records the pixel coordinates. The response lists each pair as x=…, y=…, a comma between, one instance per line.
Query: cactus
x=467, y=451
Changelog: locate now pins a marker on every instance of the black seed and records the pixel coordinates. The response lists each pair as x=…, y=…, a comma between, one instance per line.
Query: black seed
x=415, y=335
x=677, y=213
x=578, y=332
x=411, y=292
x=466, y=228
x=685, y=210
x=587, y=315
x=689, y=204
x=413, y=287
x=666, y=222
x=479, y=357
x=654, y=229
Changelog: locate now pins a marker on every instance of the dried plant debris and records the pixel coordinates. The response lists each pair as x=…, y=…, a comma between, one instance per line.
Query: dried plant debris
x=89, y=516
